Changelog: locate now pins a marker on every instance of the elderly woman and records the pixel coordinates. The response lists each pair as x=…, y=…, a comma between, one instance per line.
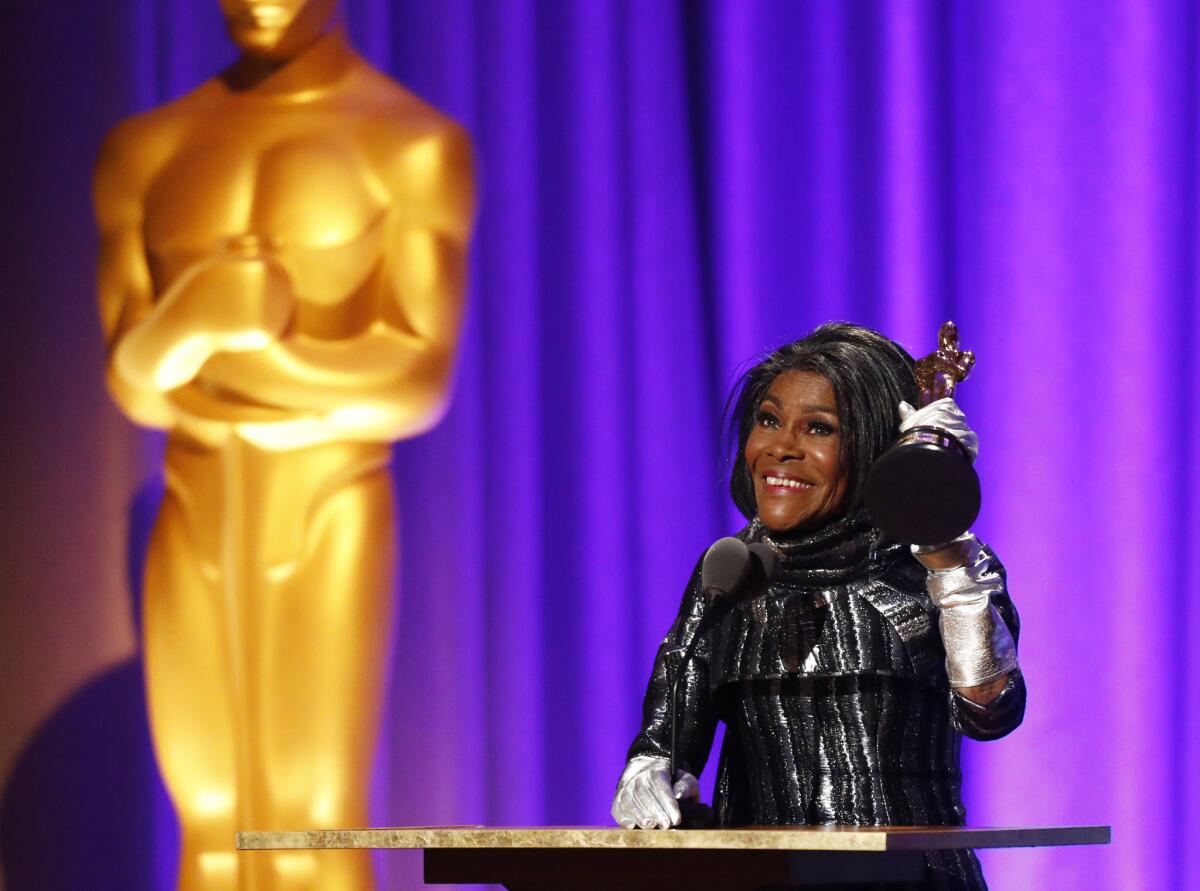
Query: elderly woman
x=847, y=685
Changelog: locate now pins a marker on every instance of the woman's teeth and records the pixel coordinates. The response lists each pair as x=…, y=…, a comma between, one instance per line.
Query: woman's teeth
x=791, y=484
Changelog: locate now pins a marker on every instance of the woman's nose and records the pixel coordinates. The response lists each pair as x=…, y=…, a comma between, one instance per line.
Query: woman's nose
x=786, y=447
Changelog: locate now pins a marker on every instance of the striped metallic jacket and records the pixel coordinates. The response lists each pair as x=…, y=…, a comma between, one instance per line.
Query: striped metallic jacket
x=835, y=704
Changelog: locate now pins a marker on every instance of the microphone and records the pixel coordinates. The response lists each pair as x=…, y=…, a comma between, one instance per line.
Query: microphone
x=730, y=569
x=764, y=560
x=723, y=572
x=724, y=567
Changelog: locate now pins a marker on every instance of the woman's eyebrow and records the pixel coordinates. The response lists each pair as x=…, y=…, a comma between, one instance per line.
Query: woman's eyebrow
x=807, y=409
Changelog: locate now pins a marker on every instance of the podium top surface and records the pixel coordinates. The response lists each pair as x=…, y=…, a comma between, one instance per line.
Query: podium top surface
x=760, y=838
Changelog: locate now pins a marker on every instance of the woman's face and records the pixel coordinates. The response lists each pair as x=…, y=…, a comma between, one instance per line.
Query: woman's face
x=794, y=453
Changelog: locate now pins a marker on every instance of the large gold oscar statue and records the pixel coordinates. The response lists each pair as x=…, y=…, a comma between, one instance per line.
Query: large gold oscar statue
x=281, y=286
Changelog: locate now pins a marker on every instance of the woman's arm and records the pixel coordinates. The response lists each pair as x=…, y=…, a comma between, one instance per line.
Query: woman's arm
x=696, y=719
x=978, y=622
x=980, y=627
x=644, y=794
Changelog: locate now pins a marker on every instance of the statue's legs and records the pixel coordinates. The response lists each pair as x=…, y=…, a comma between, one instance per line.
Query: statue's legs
x=190, y=693
x=325, y=638
x=266, y=675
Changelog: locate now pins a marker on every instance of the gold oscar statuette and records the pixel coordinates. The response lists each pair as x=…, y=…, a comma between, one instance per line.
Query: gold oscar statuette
x=924, y=489
x=281, y=285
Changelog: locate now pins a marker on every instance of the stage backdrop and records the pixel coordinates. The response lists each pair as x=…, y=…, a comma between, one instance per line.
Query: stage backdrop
x=668, y=190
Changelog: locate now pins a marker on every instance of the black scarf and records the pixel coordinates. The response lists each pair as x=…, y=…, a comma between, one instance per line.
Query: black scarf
x=843, y=550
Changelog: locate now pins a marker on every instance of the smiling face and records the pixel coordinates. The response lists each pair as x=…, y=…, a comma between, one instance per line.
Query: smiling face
x=276, y=29
x=793, y=453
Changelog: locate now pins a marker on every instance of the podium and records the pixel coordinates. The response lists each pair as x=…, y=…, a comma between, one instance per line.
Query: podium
x=749, y=858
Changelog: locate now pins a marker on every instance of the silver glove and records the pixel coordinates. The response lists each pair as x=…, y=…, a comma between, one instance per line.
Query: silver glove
x=645, y=798
x=979, y=646
x=944, y=414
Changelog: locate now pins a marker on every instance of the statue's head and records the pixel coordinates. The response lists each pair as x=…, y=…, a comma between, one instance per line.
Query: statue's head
x=277, y=29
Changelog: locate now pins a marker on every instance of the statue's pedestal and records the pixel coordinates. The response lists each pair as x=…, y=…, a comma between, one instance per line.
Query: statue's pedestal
x=774, y=857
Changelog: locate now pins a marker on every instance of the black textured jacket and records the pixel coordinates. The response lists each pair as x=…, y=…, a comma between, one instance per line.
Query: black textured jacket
x=836, y=706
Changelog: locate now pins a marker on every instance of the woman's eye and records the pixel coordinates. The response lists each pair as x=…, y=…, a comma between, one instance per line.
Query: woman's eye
x=766, y=419
x=821, y=428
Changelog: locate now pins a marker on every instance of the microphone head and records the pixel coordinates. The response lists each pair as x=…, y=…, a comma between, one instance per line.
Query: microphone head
x=725, y=567
x=767, y=560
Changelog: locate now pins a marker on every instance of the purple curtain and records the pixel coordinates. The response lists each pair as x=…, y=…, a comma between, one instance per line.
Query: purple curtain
x=669, y=189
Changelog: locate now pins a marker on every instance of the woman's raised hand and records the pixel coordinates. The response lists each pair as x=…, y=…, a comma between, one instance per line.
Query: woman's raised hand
x=944, y=414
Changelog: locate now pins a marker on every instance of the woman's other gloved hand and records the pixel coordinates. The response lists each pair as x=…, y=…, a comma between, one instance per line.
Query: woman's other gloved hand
x=943, y=414
x=645, y=798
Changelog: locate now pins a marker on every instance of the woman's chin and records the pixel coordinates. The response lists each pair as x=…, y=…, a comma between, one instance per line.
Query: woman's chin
x=789, y=523
x=784, y=525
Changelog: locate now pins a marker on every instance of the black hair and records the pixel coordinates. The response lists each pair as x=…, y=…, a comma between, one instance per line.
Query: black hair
x=869, y=375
